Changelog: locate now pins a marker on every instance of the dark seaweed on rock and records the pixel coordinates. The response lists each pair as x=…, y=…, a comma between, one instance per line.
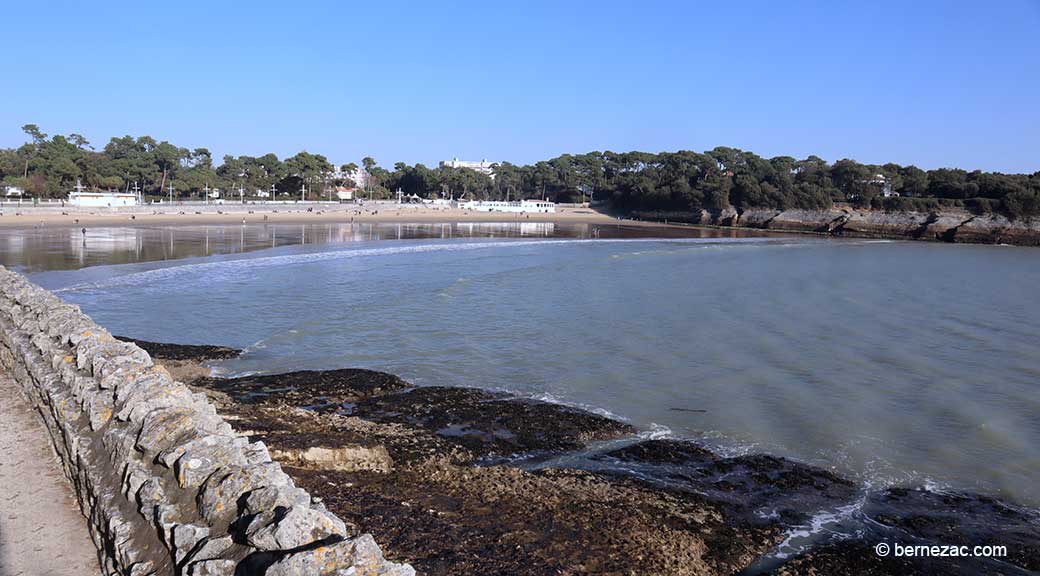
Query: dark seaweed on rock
x=858, y=558
x=315, y=389
x=751, y=487
x=960, y=519
x=675, y=505
x=163, y=351
x=492, y=422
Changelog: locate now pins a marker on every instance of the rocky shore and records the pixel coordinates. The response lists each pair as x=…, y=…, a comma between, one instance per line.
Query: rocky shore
x=947, y=225
x=466, y=481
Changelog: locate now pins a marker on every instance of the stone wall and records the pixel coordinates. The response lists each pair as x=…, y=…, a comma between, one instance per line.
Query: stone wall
x=166, y=485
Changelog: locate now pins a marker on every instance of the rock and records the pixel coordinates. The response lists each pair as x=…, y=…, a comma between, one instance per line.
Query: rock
x=346, y=458
x=185, y=538
x=491, y=423
x=750, y=488
x=163, y=428
x=166, y=351
x=361, y=554
x=308, y=388
x=204, y=455
x=218, y=500
x=271, y=497
x=212, y=568
x=212, y=549
x=298, y=526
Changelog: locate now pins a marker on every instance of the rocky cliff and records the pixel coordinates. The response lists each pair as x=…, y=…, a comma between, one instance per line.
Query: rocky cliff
x=946, y=226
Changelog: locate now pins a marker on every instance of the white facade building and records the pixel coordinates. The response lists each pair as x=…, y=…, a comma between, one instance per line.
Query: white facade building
x=358, y=176
x=484, y=167
x=886, y=186
x=536, y=206
x=102, y=199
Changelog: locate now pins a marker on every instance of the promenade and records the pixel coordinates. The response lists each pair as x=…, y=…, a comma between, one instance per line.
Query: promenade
x=42, y=532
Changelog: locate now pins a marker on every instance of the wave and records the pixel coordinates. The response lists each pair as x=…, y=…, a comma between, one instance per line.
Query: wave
x=237, y=265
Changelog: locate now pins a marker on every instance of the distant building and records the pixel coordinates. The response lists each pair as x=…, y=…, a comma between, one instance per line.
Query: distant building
x=484, y=167
x=262, y=193
x=885, y=184
x=543, y=206
x=102, y=199
x=12, y=191
x=359, y=177
x=344, y=193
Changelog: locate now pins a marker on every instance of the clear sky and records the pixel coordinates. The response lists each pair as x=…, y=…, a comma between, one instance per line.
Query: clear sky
x=945, y=83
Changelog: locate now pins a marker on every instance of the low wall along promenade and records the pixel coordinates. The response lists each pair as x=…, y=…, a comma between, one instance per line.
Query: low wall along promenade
x=166, y=485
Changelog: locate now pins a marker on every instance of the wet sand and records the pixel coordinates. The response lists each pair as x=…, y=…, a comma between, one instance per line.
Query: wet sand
x=42, y=532
x=14, y=217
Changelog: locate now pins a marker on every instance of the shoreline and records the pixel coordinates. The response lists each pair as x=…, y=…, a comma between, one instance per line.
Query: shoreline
x=951, y=226
x=405, y=461
x=27, y=218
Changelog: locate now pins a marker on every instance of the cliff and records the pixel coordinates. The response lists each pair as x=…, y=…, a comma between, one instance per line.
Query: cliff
x=949, y=225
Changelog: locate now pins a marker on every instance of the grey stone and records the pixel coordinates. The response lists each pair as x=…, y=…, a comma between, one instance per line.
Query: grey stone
x=358, y=557
x=299, y=526
x=212, y=549
x=213, y=568
x=163, y=428
x=271, y=497
x=185, y=537
x=218, y=499
x=203, y=456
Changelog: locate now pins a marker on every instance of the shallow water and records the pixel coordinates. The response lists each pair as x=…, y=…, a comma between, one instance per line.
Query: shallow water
x=890, y=362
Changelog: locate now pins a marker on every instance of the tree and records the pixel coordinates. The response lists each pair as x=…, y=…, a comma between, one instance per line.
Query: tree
x=671, y=184
x=38, y=137
x=79, y=141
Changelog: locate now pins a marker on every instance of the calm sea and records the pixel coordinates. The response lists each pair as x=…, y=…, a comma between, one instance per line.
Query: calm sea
x=890, y=362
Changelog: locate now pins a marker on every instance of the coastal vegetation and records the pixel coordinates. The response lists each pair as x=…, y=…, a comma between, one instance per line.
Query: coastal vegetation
x=632, y=182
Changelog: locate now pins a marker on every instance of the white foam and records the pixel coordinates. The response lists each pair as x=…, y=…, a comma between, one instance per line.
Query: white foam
x=656, y=432
x=549, y=398
x=819, y=524
x=244, y=264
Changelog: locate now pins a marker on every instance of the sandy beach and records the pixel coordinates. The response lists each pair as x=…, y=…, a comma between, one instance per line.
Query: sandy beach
x=16, y=217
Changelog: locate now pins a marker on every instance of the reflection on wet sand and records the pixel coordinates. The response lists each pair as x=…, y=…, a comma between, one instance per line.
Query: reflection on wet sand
x=41, y=249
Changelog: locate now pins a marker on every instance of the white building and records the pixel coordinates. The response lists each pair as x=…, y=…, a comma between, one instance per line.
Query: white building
x=359, y=176
x=102, y=199
x=542, y=206
x=484, y=167
x=13, y=191
x=886, y=186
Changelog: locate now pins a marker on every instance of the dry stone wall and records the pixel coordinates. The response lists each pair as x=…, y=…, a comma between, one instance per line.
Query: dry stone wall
x=166, y=485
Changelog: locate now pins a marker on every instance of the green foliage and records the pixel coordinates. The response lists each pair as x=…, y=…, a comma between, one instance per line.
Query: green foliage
x=673, y=183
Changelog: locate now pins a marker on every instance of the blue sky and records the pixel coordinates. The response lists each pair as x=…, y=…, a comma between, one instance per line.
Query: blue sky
x=928, y=83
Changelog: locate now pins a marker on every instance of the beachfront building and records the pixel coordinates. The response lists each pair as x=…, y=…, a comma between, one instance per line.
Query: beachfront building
x=537, y=206
x=344, y=193
x=484, y=167
x=102, y=199
x=14, y=192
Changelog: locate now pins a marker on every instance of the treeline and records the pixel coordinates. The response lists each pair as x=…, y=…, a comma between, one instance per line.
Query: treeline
x=634, y=182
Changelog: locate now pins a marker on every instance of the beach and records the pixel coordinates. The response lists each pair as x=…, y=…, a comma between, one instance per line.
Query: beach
x=20, y=216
